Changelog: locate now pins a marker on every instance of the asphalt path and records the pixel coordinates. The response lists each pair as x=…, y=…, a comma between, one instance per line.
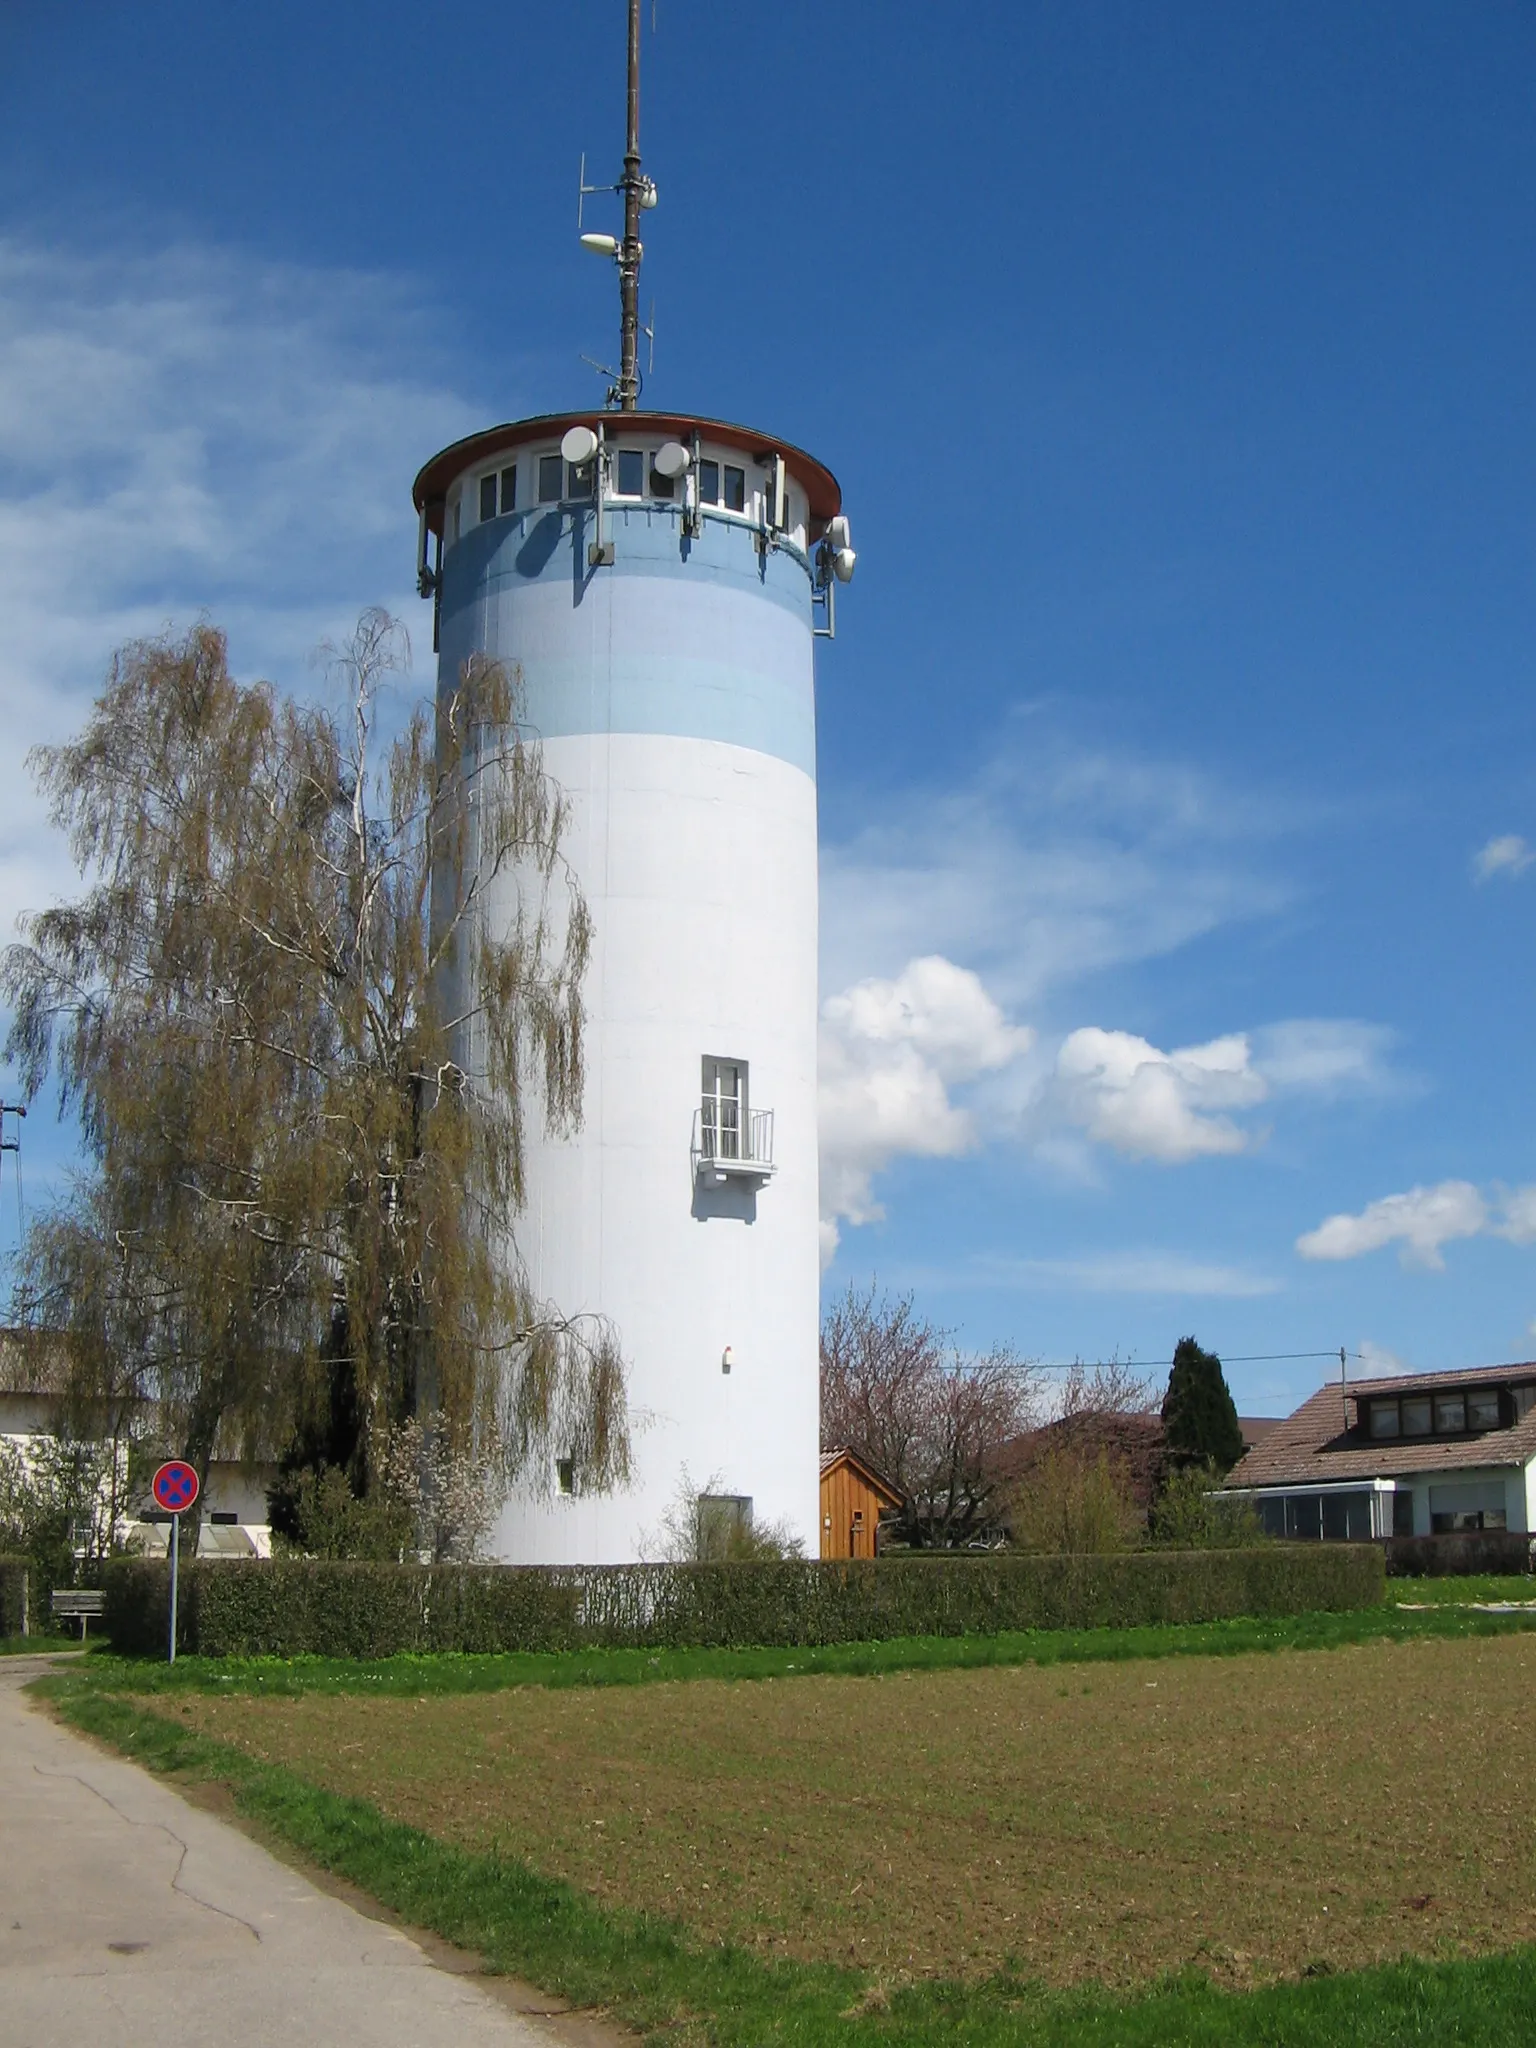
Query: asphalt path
x=130, y=1917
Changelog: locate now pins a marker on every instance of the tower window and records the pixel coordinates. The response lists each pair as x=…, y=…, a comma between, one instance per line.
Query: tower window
x=631, y=473
x=455, y=517
x=709, y=483
x=509, y=489
x=735, y=489
x=551, y=478
x=488, y=496
x=661, y=486
x=579, y=480
x=565, y=1474
x=724, y=1116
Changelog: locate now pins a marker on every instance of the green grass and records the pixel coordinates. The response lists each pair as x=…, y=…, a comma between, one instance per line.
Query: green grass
x=649, y=1973
x=462, y=1672
x=36, y=1646
x=1460, y=1591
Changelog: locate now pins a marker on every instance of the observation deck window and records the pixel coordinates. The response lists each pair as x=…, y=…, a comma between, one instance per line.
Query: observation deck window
x=498, y=493
x=735, y=489
x=551, y=479
x=629, y=479
x=709, y=483
x=662, y=486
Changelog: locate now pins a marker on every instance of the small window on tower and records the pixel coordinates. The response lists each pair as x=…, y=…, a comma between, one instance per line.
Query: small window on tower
x=509, y=489
x=579, y=480
x=488, y=496
x=455, y=518
x=709, y=483
x=631, y=477
x=735, y=489
x=565, y=1474
x=661, y=486
x=551, y=478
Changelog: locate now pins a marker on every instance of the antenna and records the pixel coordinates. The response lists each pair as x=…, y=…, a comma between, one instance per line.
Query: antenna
x=638, y=193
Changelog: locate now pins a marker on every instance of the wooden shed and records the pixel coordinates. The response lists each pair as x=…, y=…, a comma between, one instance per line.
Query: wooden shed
x=852, y=1497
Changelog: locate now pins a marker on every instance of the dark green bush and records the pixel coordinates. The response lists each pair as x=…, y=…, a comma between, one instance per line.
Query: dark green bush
x=293, y=1607
x=14, y=1614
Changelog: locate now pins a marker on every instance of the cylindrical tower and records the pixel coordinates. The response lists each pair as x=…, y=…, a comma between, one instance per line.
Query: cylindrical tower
x=658, y=580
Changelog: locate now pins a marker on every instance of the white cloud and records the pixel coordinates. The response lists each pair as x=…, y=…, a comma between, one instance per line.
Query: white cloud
x=1154, y=1105
x=1127, y=1272
x=1376, y=1362
x=1506, y=855
x=1421, y=1221
x=193, y=432
x=1057, y=862
x=890, y=1052
x=1326, y=1057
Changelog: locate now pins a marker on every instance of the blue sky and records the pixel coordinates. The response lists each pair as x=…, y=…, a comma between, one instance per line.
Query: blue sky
x=1177, y=760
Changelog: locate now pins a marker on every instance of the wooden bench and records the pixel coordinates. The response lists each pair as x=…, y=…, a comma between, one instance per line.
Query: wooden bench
x=75, y=1603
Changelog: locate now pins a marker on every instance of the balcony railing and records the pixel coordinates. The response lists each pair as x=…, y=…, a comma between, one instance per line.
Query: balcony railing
x=725, y=1148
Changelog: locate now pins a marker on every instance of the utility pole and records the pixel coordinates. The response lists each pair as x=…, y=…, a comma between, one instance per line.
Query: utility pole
x=632, y=185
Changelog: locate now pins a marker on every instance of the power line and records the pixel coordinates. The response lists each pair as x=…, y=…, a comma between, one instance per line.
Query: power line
x=1159, y=1364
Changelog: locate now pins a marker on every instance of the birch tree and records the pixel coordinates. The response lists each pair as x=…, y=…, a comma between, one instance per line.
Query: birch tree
x=294, y=1174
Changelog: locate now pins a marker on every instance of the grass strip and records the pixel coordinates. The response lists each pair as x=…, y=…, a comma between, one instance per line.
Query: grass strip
x=36, y=1646
x=460, y=1672
x=648, y=1972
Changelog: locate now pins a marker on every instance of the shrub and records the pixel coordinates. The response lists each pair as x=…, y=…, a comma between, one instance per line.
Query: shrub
x=297, y=1606
x=14, y=1613
x=1191, y=1514
x=1074, y=1502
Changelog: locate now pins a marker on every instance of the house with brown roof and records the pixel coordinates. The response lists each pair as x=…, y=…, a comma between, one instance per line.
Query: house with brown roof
x=853, y=1498
x=1420, y=1454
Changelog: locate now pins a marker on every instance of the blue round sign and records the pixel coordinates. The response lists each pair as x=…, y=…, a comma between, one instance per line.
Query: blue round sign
x=174, y=1486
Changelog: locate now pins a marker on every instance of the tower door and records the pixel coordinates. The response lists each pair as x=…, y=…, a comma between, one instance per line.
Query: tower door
x=725, y=1108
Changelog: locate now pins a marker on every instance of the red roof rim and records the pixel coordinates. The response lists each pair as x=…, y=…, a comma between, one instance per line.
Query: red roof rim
x=432, y=480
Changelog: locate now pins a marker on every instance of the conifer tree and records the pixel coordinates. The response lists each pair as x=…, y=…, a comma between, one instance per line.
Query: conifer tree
x=1199, y=1415
x=302, y=1192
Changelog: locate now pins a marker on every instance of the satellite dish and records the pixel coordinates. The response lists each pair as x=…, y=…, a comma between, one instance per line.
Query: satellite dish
x=578, y=445
x=600, y=245
x=838, y=536
x=842, y=564
x=672, y=459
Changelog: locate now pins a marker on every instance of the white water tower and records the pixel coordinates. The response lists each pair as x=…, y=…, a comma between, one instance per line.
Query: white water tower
x=659, y=581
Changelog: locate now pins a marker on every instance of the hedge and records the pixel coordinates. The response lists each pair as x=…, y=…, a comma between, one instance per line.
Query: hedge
x=14, y=1578
x=310, y=1606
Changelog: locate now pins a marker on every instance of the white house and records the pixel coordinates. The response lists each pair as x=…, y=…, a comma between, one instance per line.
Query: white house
x=32, y=1384
x=1422, y=1454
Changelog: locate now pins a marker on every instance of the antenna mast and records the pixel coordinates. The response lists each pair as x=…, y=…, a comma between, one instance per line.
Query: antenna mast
x=632, y=185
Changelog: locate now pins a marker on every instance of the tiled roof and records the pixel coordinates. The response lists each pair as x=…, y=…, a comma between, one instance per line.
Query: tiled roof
x=1316, y=1444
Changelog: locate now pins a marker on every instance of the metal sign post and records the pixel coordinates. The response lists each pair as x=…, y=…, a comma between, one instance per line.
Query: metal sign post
x=175, y=1488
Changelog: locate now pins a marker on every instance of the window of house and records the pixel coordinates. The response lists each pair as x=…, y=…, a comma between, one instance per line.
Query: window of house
x=724, y=1108
x=1384, y=1418
x=1450, y=1413
x=1483, y=1409
x=488, y=497
x=1416, y=1416
x=565, y=1474
x=735, y=488
x=1402, y=1512
x=1524, y=1399
x=630, y=476
x=551, y=478
x=709, y=483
